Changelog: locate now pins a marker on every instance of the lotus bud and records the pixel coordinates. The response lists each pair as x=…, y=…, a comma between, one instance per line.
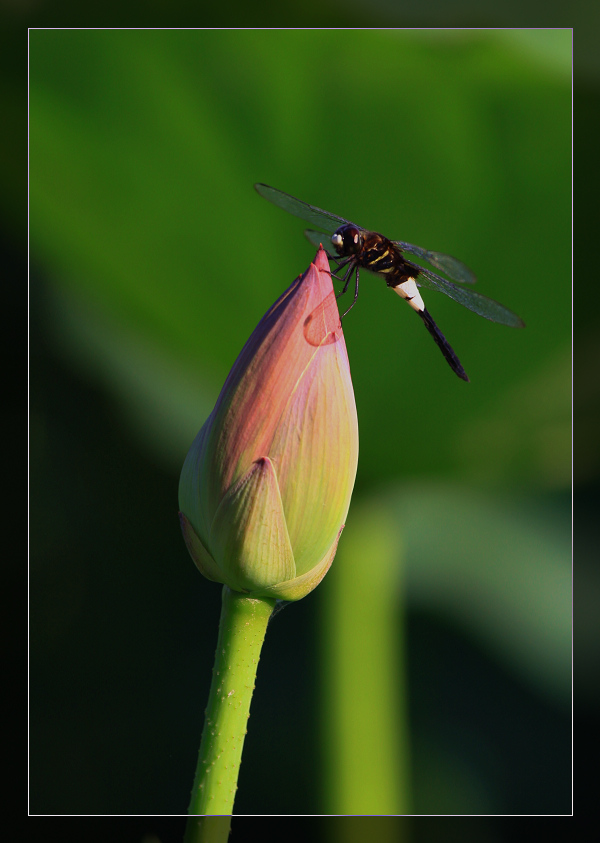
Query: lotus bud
x=266, y=486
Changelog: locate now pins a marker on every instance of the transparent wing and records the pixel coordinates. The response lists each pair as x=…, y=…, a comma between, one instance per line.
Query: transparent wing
x=454, y=268
x=328, y=222
x=315, y=216
x=318, y=238
x=488, y=308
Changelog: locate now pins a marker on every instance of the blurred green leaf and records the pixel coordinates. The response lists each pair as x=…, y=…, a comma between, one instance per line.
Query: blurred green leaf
x=144, y=146
x=498, y=569
x=365, y=732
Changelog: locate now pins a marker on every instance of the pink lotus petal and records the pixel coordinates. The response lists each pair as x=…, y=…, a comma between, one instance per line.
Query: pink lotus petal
x=288, y=398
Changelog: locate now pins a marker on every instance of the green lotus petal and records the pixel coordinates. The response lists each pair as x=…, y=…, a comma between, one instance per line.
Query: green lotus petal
x=249, y=538
x=192, y=496
x=299, y=587
x=202, y=558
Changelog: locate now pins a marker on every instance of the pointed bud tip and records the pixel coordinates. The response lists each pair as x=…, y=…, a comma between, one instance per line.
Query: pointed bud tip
x=322, y=326
x=321, y=260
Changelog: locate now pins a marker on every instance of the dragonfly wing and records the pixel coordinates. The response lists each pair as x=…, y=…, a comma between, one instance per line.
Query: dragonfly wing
x=315, y=216
x=318, y=238
x=452, y=267
x=488, y=308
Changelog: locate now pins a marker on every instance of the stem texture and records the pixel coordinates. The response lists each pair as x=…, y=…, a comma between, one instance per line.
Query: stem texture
x=242, y=630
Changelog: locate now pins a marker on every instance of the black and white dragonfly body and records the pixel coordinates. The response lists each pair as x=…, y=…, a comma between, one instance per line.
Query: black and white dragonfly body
x=357, y=248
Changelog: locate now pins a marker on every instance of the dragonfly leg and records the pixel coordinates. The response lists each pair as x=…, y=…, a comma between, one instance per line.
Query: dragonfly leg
x=341, y=265
x=355, y=293
x=346, y=279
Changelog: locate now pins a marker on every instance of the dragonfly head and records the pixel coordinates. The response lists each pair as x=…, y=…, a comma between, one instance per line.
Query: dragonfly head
x=347, y=240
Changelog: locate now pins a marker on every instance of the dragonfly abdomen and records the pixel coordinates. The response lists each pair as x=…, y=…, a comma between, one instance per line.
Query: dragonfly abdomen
x=443, y=344
x=408, y=290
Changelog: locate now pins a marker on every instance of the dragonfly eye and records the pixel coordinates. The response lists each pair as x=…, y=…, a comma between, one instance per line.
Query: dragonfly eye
x=347, y=240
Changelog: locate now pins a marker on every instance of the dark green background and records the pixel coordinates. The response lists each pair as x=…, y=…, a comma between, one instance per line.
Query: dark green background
x=152, y=259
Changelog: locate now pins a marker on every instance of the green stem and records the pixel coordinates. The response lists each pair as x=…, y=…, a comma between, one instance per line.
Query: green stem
x=242, y=630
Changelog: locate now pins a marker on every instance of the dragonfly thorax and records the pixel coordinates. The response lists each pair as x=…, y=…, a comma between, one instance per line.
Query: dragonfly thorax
x=347, y=240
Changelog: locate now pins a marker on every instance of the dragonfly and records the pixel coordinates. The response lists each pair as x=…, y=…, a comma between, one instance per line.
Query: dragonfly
x=359, y=248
